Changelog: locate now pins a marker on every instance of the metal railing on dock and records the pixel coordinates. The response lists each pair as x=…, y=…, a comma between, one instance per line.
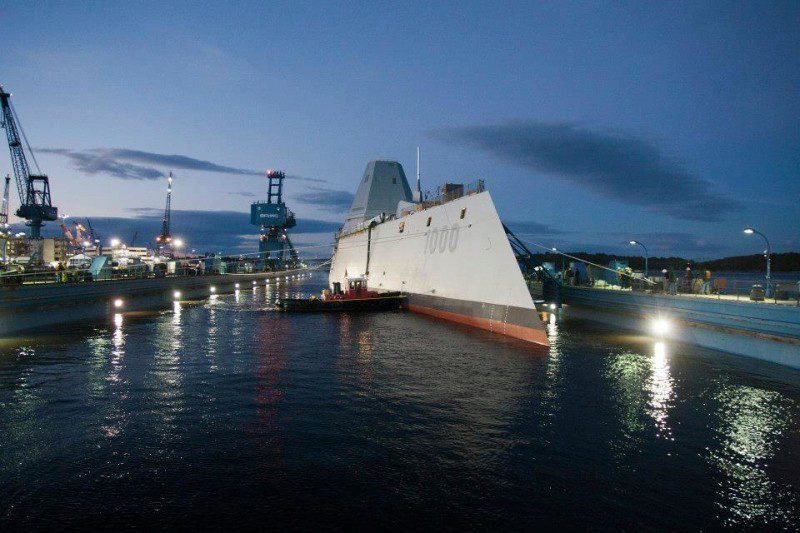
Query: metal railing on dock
x=171, y=269
x=744, y=290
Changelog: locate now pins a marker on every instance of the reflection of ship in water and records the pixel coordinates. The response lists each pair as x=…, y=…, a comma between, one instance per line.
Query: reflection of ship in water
x=449, y=253
x=476, y=407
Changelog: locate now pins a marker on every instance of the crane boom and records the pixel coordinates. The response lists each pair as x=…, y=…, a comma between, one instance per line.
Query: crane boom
x=34, y=189
x=67, y=233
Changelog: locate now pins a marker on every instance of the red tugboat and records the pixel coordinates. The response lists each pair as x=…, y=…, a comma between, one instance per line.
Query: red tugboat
x=355, y=299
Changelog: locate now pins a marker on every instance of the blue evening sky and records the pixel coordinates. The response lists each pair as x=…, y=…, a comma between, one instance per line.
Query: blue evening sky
x=592, y=123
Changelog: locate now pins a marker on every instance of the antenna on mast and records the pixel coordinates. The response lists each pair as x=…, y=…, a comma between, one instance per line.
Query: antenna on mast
x=419, y=187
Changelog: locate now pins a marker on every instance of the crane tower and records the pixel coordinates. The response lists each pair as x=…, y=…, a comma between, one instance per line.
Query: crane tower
x=274, y=218
x=4, y=231
x=165, y=239
x=4, y=210
x=35, y=203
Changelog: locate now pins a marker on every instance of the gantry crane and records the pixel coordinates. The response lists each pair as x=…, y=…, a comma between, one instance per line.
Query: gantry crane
x=165, y=239
x=35, y=203
x=273, y=217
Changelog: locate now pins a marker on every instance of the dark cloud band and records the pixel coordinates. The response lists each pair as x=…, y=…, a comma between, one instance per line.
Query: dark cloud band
x=327, y=199
x=626, y=169
x=138, y=165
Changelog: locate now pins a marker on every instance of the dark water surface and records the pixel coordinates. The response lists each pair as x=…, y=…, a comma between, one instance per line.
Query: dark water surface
x=226, y=413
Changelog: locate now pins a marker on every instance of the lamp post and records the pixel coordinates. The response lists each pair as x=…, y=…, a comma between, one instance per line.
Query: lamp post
x=750, y=231
x=637, y=243
x=555, y=250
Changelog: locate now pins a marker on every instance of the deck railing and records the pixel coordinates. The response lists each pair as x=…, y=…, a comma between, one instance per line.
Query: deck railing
x=451, y=191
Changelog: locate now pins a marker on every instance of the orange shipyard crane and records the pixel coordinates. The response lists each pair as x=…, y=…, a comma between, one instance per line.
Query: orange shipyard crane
x=65, y=230
x=82, y=235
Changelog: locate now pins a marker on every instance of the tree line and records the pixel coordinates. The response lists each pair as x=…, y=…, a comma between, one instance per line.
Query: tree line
x=781, y=262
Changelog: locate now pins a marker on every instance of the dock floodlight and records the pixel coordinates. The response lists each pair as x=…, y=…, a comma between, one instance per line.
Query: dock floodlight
x=660, y=326
x=115, y=242
x=118, y=303
x=237, y=285
x=552, y=306
x=254, y=282
x=212, y=289
x=177, y=294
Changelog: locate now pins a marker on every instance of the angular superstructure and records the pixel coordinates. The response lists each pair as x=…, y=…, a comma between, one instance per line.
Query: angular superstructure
x=449, y=254
x=382, y=187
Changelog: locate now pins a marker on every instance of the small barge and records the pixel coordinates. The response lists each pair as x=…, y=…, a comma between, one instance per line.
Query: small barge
x=356, y=299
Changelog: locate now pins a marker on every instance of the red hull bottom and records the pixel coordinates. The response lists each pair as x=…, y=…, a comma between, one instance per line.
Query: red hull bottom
x=530, y=334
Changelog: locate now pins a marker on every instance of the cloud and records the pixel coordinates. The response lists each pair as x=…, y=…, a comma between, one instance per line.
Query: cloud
x=129, y=164
x=227, y=231
x=91, y=163
x=620, y=167
x=246, y=194
x=327, y=199
x=173, y=161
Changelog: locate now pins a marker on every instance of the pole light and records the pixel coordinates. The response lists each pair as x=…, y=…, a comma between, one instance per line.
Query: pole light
x=637, y=243
x=555, y=250
x=751, y=231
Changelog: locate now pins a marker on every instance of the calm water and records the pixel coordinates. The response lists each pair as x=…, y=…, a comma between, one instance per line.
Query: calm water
x=226, y=413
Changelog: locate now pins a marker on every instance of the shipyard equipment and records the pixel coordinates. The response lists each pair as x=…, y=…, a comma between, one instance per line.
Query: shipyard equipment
x=165, y=239
x=4, y=233
x=67, y=233
x=541, y=282
x=36, y=205
x=274, y=218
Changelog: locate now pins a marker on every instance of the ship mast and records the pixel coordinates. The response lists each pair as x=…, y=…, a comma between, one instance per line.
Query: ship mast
x=419, y=187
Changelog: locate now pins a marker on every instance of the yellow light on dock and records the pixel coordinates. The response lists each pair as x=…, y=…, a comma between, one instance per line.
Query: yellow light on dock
x=118, y=303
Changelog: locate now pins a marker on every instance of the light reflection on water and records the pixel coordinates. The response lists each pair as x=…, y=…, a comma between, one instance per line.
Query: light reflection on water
x=750, y=424
x=661, y=388
x=223, y=409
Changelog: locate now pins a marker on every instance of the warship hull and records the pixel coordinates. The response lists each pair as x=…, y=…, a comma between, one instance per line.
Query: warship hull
x=453, y=260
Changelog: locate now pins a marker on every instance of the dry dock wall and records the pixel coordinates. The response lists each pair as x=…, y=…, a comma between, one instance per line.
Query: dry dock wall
x=30, y=307
x=770, y=332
